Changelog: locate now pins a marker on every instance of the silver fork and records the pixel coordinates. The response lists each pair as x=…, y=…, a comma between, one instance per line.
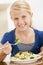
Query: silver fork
x=15, y=44
x=10, y=44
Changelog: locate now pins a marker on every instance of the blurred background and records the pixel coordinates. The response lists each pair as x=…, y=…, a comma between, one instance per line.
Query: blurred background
x=6, y=23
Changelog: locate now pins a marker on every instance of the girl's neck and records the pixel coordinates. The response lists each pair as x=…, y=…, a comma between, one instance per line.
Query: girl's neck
x=24, y=32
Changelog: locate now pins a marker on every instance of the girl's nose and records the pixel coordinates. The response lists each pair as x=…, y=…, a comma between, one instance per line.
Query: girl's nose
x=21, y=21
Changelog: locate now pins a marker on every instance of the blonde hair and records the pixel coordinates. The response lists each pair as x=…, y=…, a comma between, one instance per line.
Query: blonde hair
x=20, y=5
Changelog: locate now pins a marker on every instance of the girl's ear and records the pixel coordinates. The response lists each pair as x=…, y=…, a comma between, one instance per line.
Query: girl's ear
x=31, y=14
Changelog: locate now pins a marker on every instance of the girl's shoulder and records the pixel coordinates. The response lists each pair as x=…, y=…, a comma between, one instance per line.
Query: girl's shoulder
x=8, y=36
x=9, y=33
x=38, y=32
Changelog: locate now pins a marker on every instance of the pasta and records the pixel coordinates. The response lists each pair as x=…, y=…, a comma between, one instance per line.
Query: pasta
x=25, y=56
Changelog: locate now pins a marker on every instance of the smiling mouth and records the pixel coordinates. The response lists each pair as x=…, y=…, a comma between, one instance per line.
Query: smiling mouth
x=22, y=26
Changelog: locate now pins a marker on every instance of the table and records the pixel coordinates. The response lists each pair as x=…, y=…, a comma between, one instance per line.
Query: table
x=39, y=62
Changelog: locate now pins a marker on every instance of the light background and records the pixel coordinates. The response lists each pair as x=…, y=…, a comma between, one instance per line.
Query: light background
x=37, y=8
x=37, y=19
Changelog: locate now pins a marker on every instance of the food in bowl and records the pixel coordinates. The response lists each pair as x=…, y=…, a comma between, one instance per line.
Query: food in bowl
x=25, y=56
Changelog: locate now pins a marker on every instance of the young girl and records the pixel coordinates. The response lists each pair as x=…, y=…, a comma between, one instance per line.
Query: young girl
x=31, y=39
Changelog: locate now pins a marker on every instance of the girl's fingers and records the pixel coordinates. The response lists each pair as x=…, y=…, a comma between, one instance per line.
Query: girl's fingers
x=41, y=54
x=7, y=48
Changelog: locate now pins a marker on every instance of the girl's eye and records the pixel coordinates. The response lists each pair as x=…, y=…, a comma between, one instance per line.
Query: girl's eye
x=23, y=16
x=16, y=19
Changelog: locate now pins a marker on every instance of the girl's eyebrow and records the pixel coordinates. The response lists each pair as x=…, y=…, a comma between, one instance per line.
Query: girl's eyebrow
x=24, y=16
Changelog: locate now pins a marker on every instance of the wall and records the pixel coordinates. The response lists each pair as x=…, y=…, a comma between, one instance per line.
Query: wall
x=3, y=22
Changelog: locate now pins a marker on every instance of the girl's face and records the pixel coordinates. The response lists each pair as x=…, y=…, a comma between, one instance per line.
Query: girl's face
x=22, y=19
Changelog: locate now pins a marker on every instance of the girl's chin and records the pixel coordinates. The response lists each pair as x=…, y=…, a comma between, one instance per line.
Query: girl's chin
x=22, y=29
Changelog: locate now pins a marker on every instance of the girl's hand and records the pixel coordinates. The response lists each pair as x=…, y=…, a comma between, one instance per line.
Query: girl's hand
x=7, y=48
x=41, y=53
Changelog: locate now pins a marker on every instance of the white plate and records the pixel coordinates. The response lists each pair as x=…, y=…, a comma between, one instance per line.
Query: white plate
x=25, y=61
